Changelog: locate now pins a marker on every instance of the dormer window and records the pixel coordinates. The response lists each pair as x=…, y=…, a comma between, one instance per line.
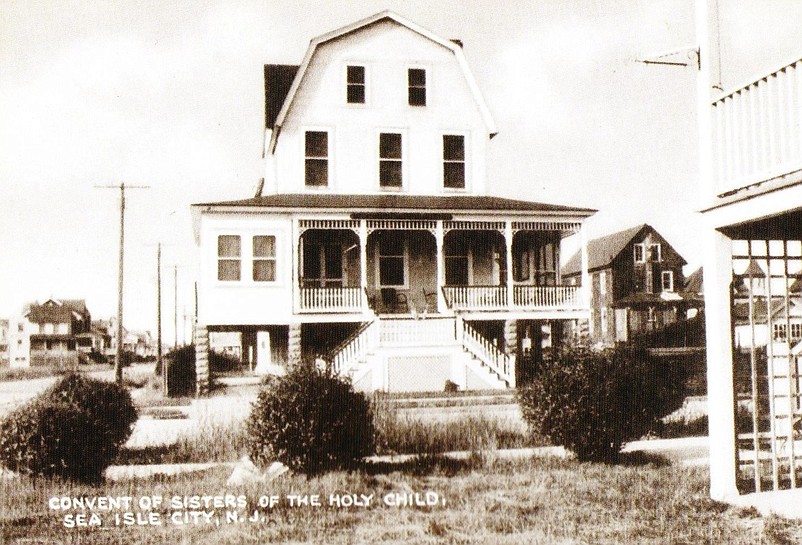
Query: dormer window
x=355, y=84
x=454, y=161
x=316, y=156
x=390, y=163
x=416, y=82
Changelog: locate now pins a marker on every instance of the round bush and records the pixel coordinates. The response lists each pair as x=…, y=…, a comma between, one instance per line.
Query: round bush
x=74, y=429
x=310, y=421
x=591, y=402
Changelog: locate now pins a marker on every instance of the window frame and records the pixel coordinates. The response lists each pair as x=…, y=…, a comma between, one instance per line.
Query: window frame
x=219, y=259
x=659, y=252
x=399, y=160
x=663, y=276
x=405, y=260
x=317, y=158
x=602, y=282
x=450, y=161
x=414, y=87
x=267, y=259
x=642, y=248
x=449, y=255
x=348, y=84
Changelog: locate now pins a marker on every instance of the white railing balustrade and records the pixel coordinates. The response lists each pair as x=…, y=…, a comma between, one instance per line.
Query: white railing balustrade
x=355, y=350
x=489, y=354
x=331, y=299
x=563, y=297
x=476, y=297
x=432, y=331
x=757, y=130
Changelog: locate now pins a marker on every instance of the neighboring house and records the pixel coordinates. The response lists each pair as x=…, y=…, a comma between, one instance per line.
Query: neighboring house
x=751, y=171
x=372, y=243
x=4, y=354
x=50, y=333
x=637, y=284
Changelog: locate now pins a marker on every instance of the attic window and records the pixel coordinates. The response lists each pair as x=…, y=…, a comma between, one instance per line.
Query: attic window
x=416, y=81
x=639, y=252
x=654, y=253
x=316, y=155
x=355, y=84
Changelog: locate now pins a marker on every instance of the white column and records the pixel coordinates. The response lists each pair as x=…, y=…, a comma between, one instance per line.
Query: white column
x=508, y=237
x=363, y=261
x=720, y=387
x=441, y=266
x=586, y=291
x=296, y=293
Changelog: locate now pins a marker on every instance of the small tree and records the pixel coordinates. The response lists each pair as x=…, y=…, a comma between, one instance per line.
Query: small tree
x=591, y=402
x=311, y=421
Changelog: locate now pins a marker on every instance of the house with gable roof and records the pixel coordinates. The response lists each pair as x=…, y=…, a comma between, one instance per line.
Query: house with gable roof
x=636, y=284
x=51, y=333
x=373, y=243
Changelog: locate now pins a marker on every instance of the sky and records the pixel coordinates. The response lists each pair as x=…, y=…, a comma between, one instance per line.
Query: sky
x=169, y=94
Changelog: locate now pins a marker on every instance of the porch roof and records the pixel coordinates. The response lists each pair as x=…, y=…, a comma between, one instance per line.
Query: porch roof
x=401, y=202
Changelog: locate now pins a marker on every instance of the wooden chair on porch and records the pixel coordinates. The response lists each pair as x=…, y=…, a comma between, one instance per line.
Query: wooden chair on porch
x=393, y=301
x=430, y=297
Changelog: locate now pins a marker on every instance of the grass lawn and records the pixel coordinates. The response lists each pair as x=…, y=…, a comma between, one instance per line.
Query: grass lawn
x=481, y=501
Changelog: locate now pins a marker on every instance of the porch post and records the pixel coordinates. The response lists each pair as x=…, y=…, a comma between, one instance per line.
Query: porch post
x=583, y=241
x=717, y=269
x=363, y=261
x=296, y=240
x=508, y=237
x=441, y=268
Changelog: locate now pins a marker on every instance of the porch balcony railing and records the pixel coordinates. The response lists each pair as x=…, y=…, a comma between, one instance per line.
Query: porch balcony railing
x=757, y=130
x=477, y=298
x=331, y=299
x=539, y=297
x=433, y=331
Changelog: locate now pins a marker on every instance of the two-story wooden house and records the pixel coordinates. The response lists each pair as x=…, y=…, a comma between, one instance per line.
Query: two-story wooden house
x=751, y=181
x=373, y=243
x=51, y=333
x=637, y=284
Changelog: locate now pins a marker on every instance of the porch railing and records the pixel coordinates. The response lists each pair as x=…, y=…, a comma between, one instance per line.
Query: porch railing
x=473, y=298
x=561, y=297
x=331, y=299
x=757, y=130
x=476, y=297
x=432, y=331
x=486, y=352
x=354, y=349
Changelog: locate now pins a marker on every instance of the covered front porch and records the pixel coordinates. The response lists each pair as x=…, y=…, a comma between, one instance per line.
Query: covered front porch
x=430, y=266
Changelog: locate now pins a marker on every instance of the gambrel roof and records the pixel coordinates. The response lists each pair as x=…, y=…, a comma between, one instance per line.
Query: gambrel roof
x=451, y=45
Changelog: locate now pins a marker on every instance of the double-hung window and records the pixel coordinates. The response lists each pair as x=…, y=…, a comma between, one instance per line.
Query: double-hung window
x=639, y=253
x=355, y=84
x=453, y=161
x=458, y=263
x=229, y=254
x=416, y=86
x=667, y=280
x=390, y=160
x=316, y=157
x=392, y=262
x=655, y=255
x=264, y=258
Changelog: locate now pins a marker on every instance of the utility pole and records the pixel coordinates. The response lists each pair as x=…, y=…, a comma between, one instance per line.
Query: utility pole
x=175, y=306
x=159, y=356
x=118, y=362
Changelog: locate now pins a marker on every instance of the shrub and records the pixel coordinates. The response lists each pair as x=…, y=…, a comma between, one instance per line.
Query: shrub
x=311, y=421
x=591, y=402
x=73, y=430
x=181, y=374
